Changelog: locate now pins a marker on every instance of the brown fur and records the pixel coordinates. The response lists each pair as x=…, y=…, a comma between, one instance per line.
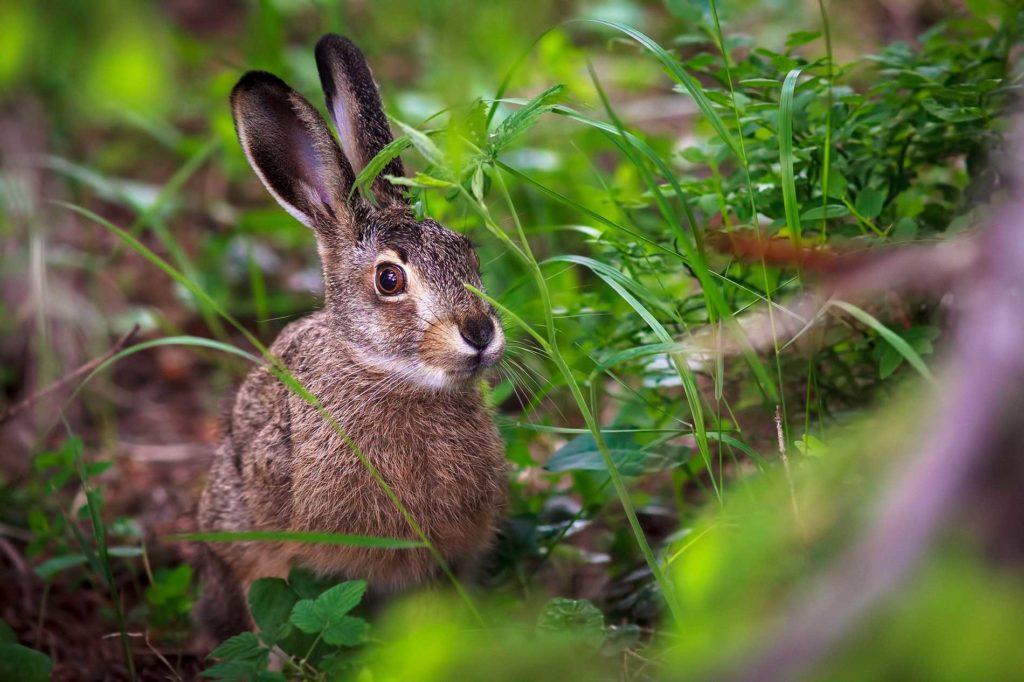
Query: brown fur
x=391, y=370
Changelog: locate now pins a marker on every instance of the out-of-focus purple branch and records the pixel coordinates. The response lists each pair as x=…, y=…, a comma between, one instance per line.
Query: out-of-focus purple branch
x=968, y=429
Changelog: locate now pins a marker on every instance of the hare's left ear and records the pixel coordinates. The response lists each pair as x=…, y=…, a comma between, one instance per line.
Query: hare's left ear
x=354, y=103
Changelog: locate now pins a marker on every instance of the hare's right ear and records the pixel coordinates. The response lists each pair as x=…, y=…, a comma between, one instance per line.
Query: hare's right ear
x=354, y=103
x=292, y=150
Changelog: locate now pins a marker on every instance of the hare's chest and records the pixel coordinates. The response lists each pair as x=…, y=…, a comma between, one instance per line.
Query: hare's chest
x=447, y=473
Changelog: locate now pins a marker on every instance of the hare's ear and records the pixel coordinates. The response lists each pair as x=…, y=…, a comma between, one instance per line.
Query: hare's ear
x=292, y=150
x=354, y=103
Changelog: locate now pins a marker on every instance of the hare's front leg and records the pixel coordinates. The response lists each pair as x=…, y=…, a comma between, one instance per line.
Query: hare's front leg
x=221, y=608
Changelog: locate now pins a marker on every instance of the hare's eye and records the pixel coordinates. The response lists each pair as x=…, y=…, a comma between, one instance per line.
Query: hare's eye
x=390, y=279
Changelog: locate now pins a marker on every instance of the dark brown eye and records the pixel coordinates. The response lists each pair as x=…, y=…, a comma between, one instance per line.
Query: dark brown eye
x=390, y=279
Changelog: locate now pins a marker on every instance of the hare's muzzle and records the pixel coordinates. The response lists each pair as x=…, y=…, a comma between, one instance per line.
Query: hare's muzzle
x=484, y=337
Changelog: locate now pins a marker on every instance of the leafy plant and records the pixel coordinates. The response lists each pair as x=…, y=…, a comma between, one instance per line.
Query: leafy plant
x=19, y=662
x=304, y=621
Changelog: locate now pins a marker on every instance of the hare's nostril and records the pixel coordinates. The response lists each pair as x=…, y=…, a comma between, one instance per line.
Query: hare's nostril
x=478, y=331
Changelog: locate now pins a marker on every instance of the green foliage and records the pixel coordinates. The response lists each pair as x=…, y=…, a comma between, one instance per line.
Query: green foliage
x=305, y=620
x=575, y=617
x=169, y=596
x=18, y=662
x=635, y=456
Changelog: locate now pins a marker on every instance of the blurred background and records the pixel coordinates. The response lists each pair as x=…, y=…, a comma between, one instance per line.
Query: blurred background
x=117, y=112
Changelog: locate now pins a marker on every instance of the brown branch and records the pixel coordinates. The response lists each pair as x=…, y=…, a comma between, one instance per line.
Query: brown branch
x=69, y=378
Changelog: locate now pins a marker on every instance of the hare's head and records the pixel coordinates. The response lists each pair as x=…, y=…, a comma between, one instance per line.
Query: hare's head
x=395, y=286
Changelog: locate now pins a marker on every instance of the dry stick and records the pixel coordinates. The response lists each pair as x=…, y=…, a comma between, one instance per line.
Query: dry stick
x=69, y=378
x=986, y=368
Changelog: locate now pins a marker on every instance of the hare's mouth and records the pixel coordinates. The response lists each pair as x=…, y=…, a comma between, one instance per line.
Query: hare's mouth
x=462, y=351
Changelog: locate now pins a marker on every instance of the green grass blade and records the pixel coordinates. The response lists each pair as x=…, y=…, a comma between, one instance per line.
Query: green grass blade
x=523, y=118
x=679, y=75
x=637, y=352
x=372, y=169
x=309, y=537
x=789, y=199
x=892, y=338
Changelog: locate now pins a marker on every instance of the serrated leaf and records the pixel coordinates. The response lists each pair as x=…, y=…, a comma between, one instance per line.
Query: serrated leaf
x=234, y=670
x=524, y=117
x=241, y=647
x=306, y=617
x=271, y=601
x=341, y=599
x=346, y=631
x=572, y=616
x=372, y=169
x=423, y=144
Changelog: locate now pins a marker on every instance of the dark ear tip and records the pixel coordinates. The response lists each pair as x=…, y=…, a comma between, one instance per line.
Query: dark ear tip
x=332, y=44
x=253, y=81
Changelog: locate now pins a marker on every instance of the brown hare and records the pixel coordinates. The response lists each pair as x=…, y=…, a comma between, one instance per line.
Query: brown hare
x=394, y=355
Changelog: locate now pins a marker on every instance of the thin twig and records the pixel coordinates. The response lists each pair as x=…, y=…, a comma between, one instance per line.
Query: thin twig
x=785, y=468
x=69, y=378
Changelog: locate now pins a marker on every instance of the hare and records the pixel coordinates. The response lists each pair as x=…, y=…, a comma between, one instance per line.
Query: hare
x=395, y=356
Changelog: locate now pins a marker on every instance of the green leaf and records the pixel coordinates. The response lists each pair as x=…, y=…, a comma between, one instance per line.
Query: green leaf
x=760, y=83
x=346, y=631
x=830, y=211
x=306, y=617
x=307, y=584
x=802, y=38
x=888, y=362
x=572, y=616
x=811, y=446
x=241, y=647
x=894, y=339
x=329, y=609
x=52, y=567
x=524, y=117
x=581, y=454
x=20, y=663
x=372, y=169
x=242, y=671
x=789, y=199
x=7, y=635
x=423, y=144
x=341, y=599
x=952, y=114
x=271, y=601
x=869, y=202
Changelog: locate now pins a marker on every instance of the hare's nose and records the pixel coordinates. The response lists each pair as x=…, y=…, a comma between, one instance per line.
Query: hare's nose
x=478, y=331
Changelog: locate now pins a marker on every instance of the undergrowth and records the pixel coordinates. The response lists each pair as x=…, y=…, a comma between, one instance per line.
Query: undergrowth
x=605, y=249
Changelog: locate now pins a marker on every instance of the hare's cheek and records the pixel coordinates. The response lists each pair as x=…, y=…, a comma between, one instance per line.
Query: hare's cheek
x=440, y=346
